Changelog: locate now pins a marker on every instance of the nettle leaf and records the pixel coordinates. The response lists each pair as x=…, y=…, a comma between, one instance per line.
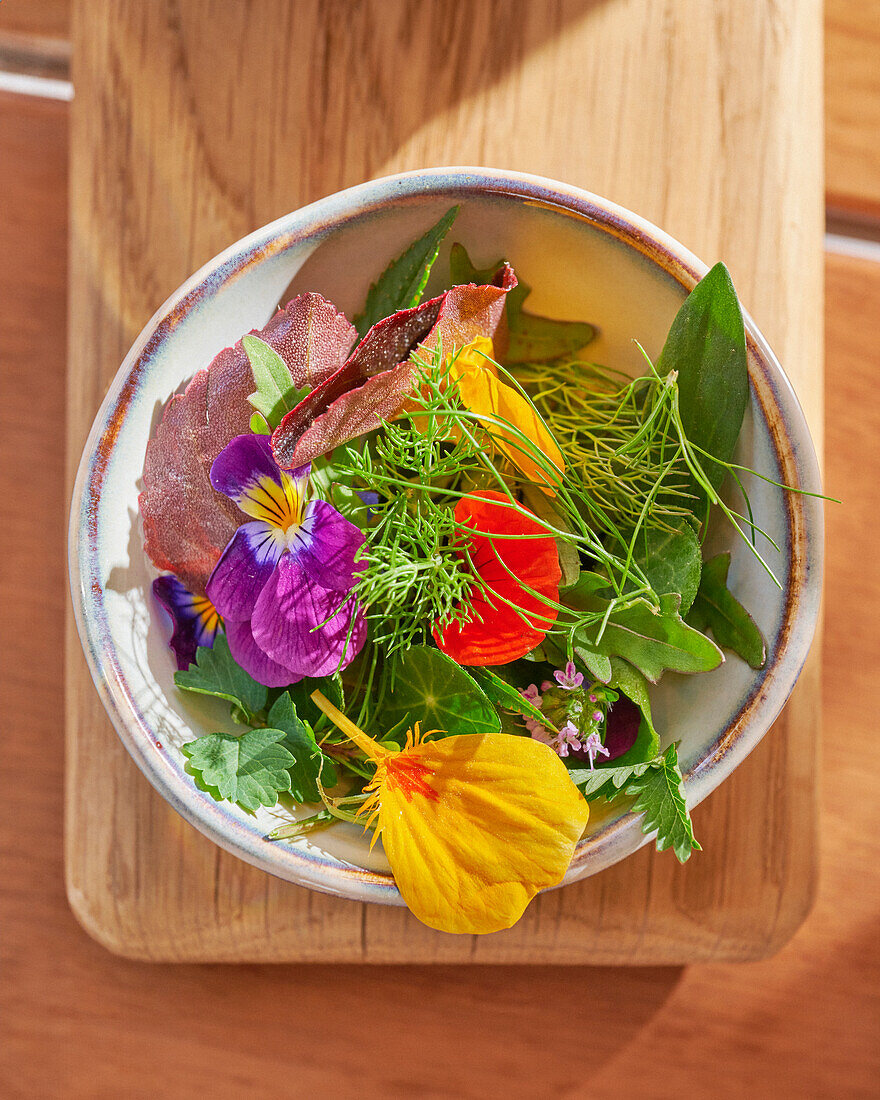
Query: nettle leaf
x=503, y=694
x=658, y=789
x=276, y=393
x=431, y=689
x=216, y=673
x=251, y=769
x=402, y=283
x=309, y=762
x=716, y=609
x=707, y=346
x=531, y=339
x=653, y=640
x=671, y=560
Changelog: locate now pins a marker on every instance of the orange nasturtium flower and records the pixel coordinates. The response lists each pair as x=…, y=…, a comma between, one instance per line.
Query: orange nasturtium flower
x=483, y=392
x=472, y=825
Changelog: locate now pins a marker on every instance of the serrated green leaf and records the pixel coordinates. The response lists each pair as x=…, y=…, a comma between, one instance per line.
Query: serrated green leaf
x=216, y=673
x=401, y=284
x=431, y=689
x=301, y=697
x=503, y=694
x=276, y=394
x=532, y=339
x=716, y=609
x=707, y=346
x=607, y=781
x=652, y=640
x=251, y=769
x=309, y=763
x=671, y=560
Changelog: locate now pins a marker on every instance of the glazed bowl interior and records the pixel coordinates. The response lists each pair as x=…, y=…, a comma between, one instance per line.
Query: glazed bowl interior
x=586, y=260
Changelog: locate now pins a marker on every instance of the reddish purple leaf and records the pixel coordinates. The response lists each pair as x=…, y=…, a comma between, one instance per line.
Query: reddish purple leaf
x=375, y=382
x=187, y=524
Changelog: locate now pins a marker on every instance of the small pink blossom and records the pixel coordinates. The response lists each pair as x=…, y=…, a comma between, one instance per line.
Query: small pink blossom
x=530, y=694
x=566, y=739
x=569, y=678
x=593, y=747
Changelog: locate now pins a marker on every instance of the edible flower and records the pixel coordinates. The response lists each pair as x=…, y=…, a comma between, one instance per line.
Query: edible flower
x=483, y=392
x=516, y=582
x=284, y=582
x=195, y=619
x=473, y=825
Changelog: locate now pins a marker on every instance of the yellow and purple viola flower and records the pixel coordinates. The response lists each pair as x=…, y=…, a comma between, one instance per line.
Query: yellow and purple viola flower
x=284, y=582
x=195, y=619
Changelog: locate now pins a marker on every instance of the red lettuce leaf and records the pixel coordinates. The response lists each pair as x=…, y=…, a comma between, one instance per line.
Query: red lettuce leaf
x=187, y=524
x=373, y=385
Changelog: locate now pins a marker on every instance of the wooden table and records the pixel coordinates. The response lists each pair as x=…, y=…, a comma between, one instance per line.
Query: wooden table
x=78, y=1022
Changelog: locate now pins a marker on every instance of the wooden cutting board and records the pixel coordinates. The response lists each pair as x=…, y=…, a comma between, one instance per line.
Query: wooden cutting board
x=193, y=124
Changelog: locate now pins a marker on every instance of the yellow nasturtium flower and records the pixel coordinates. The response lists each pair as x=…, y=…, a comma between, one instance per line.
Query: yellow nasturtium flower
x=473, y=825
x=483, y=392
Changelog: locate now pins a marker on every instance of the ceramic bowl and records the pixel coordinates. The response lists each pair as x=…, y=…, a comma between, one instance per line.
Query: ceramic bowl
x=586, y=259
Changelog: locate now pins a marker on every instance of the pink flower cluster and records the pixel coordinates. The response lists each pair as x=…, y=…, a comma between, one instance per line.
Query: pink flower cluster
x=568, y=736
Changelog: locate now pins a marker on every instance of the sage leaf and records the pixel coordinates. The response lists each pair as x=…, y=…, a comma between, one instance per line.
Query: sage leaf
x=276, y=394
x=401, y=284
x=251, y=769
x=716, y=609
x=431, y=689
x=706, y=345
x=216, y=673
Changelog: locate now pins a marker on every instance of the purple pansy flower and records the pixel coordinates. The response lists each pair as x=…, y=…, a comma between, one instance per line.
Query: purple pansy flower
x=284, y=582
x=195, y=618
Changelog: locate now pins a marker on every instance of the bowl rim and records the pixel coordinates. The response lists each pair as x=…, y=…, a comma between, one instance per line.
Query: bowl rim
x=770, y=387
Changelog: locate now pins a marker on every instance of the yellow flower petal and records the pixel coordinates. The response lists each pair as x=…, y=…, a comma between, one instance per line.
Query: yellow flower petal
x=483, y=393
x=474, y=826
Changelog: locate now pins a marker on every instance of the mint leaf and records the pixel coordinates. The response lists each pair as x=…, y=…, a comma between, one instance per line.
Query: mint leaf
x=216, y=673
x=309, y=763
x=503, y=694
x=276, y=394
x=657, y=787
x=533, y=339
x=431, y=689
x=401, y=284
x=654, y=640
x=671, y=560
x=707, y=346
x=716, y=609
x=250, y=770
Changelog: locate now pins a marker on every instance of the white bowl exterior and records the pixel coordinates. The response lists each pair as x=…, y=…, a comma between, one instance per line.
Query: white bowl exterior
x=586, y=259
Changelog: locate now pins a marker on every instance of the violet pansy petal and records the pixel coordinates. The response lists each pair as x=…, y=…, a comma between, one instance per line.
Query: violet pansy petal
x=244, y=459
x=254, y=661
x=247, y=473
x=244, y=568
x=287, y=620
x=325, y=546
x=195, y=618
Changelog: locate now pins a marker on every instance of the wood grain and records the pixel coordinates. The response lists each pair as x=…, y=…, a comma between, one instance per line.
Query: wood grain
x=852, y=106
x=76, y=1022
x=192, y=124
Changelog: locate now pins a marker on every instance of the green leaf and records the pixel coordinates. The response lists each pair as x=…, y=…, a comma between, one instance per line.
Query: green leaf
x=630, y=682
x=216, y=673
x=598, y=664
x=569, y=559
x=707, y=346
x=503, y=694
x=653, y=640
x=275, y=394
x=671, y=560
x=301, y=697
x=657, y=787
x=250, y=770
x=533, y=339
x=716, y=609
x=309, y=763
x=401, y=284
x=431, y=689
x=258, y=424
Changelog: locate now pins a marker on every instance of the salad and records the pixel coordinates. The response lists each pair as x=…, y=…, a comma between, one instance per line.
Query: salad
x=435, y=558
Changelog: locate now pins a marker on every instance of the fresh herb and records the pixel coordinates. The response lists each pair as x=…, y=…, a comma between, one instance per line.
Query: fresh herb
x=716, y=609
x=309, y=763
x=252, y=769
x=431, y=689
x=275, y=394
x=217, y=673
x=402, y=283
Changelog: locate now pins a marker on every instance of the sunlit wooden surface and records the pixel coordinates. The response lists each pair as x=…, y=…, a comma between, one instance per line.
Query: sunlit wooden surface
x=77, y=1022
